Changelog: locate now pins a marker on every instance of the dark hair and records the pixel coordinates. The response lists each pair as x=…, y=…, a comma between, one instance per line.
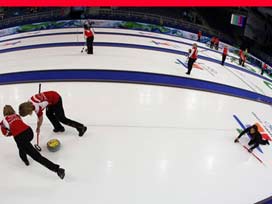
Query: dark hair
x=255, y=127
x=86, y=27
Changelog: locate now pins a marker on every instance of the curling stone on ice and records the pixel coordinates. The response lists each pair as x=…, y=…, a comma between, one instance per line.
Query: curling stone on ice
x=53, y=145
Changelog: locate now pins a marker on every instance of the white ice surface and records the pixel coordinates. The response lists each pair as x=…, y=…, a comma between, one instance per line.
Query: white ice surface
x=144, y=144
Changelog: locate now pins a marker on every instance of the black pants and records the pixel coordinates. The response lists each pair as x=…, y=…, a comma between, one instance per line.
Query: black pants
x=25, y=147
x=223, y=59
x=190, y=64
x=243, y=62
x=211, y=45
x=257, y=143
x=89, y=42
x=56, y=115
x=262, y=72
x=240, y=61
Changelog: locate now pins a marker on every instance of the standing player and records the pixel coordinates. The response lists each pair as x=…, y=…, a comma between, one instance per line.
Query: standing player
x=241, y=56
x=89, y=36
x=12, y=125
x=192, y=58
x=264, y=67
x=256, y=137
x=216, y=43
x=52, y=101
x=199, y=35
x=224, y=55
x=212, y=42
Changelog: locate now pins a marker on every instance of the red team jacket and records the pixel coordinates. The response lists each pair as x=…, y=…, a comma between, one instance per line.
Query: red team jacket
x=225, y=51
x=44, y=99
x=213, y=39
x=13, y=125
x=242, y=55
x=88, y=33
x=193, y=53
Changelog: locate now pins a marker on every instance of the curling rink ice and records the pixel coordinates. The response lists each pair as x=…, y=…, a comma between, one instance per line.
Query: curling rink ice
x=145, y=144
